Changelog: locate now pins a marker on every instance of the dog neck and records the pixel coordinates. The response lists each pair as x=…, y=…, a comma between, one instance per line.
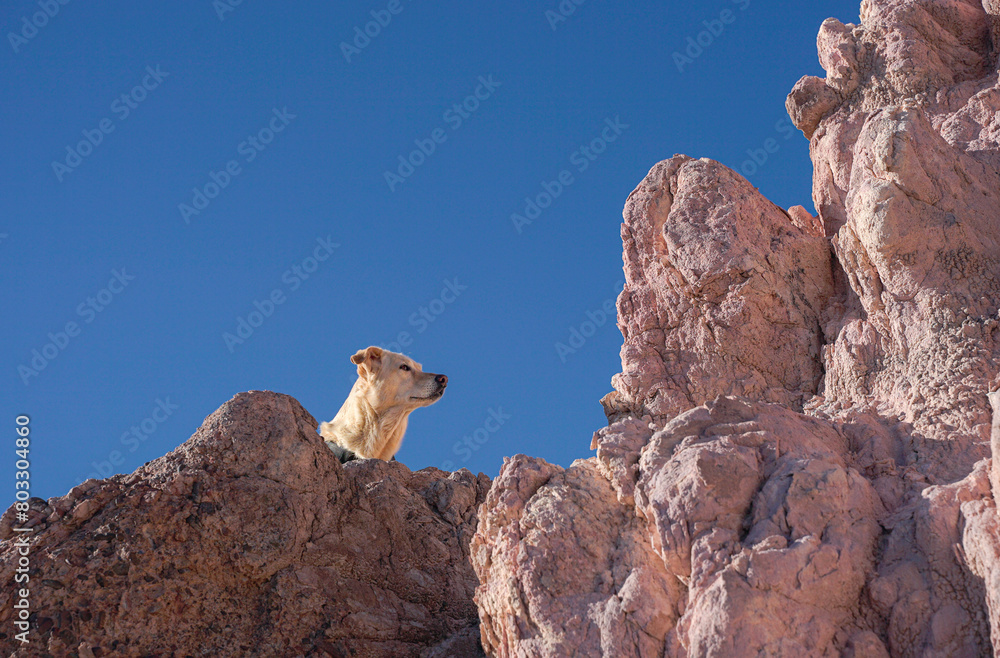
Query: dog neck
x=368, y=433
x=391, y=427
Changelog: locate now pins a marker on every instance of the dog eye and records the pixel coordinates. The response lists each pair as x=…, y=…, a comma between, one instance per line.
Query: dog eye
x=405, y=367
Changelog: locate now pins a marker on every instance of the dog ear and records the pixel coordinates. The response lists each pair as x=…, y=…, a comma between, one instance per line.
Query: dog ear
x=367, y=359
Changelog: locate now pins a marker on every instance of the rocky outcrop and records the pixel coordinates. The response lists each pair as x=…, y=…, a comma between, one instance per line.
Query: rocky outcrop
x=251, y=539
x=906, y=181
x=797, y=457
x=737, y=509
x=724, y=294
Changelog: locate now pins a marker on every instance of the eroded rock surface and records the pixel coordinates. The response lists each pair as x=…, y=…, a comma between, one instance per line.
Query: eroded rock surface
x=724, y=293
x=906, y=162
x=738, y=510
x=251, y=539
x=797, y=461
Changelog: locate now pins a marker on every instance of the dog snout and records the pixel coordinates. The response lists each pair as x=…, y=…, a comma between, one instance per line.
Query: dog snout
x=442, y=380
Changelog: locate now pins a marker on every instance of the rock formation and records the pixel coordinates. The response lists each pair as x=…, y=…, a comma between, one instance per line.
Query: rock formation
x=797, y=460
x=251, y=539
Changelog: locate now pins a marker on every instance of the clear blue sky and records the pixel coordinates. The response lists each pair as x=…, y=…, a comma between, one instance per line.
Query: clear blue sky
x=262, y=111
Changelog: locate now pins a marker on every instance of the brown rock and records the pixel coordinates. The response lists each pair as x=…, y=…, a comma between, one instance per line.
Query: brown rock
x=251, y=539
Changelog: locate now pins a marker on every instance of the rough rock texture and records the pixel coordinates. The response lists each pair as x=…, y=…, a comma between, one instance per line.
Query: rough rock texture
x=251, y=539
x=797, y=460
x=726, y=524
x=723, y=294
x=906, y=161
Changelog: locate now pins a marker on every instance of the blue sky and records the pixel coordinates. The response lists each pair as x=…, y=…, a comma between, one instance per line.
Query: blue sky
x=173, y=173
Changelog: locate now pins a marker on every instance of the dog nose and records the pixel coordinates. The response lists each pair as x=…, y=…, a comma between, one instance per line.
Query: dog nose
x=442, y=379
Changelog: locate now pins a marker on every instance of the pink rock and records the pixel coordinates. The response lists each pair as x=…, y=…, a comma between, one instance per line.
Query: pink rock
x=980, y=552
x=839, y=55
x=740, y=509
x=723, y=294
x=906, y=181
x=564, y=571
x=994, y=398
x=810, y=100
x=796, y=457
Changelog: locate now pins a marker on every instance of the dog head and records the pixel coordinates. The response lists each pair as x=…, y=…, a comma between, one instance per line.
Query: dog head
x=395, y=381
